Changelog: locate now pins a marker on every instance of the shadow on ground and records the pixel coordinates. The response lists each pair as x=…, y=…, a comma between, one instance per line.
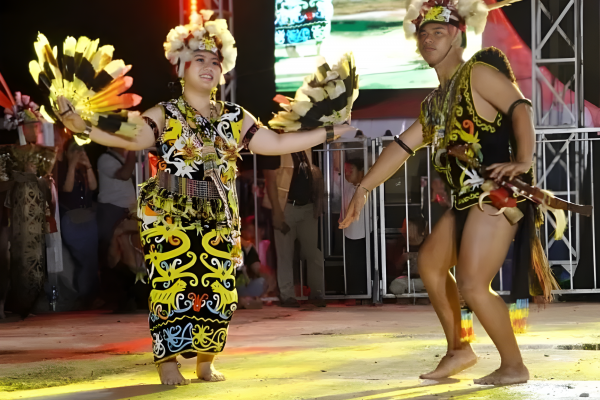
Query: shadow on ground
x=117, y=393
x=419, y=392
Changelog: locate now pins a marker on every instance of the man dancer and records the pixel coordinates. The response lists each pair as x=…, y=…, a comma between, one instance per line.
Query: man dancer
x=479, y=107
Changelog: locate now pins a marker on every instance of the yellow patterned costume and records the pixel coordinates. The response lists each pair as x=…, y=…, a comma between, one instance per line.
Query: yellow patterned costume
x=191, y=243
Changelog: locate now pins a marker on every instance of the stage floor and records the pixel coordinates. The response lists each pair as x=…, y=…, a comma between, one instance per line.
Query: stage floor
x=336, y=353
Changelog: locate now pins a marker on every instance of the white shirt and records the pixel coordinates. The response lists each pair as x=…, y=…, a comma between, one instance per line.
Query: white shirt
x=356, y=230
x=112, y=190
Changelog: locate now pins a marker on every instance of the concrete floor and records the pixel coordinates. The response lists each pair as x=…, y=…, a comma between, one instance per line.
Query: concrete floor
x=336, y=353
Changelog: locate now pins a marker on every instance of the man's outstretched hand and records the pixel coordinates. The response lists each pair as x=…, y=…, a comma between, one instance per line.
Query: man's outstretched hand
x=354, y=208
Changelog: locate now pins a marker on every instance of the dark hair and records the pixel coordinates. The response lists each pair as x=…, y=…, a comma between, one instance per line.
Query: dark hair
x=175, y=89
x=359, y=164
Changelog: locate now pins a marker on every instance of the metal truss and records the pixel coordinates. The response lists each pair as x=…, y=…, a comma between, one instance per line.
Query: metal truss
x=554, y=111
x=568, y=160
x=564, y=149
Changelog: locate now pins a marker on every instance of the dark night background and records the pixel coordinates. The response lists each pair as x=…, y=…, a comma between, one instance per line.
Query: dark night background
x=138, y=28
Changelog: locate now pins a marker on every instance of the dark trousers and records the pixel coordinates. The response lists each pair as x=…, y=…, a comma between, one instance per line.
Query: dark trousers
x=81, y=238
x=117, y=282
x=356, y=265
x=108, y=217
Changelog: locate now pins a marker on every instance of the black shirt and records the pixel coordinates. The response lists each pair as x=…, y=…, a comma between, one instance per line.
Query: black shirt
x=301, y=186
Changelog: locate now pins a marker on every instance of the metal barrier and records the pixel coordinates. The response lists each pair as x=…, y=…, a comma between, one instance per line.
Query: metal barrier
x=564, y=165
x=332, y=159
x=414, y=167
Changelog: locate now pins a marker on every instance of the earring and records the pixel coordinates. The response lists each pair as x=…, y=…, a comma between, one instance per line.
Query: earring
x=213, y=93
x=182, y=82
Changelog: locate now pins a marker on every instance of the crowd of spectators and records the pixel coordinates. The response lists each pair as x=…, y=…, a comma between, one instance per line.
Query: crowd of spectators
x=103, y=264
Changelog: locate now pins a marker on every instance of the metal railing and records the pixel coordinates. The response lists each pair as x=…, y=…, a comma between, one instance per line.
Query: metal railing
x=564, y=165
x=332, y=158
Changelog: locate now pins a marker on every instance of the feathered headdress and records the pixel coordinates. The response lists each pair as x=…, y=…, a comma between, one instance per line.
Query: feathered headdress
x=460, y=13
x=18, y=110
x=204, y=32
x=91, y=80
x=325, y=98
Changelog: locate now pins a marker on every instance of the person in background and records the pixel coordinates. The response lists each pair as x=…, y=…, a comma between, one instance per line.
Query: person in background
x=355, y=250
x=249, y=282
x=415, y=235
x=295, y=194
x=77, y=183
x=116, y=197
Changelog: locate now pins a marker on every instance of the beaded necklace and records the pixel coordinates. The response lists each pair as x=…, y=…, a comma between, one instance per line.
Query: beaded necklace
x=205, y=129
x=438, y=108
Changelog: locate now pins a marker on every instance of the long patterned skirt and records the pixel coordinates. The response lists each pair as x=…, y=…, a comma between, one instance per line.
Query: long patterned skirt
x=192, y=278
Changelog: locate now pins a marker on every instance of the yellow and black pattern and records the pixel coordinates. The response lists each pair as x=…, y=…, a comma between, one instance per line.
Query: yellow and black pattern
x=191, y=245
x=490, y=141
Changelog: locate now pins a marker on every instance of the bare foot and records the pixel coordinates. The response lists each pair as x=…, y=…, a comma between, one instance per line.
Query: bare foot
x=453, y=363
x=505, y=376
x=208, y=372
x=170, y=375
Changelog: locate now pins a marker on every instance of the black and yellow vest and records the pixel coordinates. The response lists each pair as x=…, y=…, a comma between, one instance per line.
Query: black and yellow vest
x=491, y=141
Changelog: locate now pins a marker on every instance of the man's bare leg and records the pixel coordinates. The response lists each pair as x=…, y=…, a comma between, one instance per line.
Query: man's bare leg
x=436, y=256
x=169, y=373
x=206, y=370
x=485, y=243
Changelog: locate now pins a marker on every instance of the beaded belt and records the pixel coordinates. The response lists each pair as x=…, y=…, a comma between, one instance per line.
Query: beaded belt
x=187, y=187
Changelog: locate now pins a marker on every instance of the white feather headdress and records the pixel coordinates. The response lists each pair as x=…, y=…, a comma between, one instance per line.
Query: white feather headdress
x=204, y=32
x=460, y=13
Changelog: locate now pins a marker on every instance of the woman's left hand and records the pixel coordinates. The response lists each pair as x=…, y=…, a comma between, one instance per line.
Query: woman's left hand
x=510, y=170
x=69, y=118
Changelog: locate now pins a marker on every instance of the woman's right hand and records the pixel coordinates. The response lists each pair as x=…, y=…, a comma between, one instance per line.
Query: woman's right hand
x=69, y=118
x=84, y=159
x=73, y=156
x=354, y=208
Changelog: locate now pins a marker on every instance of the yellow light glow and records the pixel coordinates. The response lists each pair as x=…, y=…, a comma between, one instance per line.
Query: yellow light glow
x=193, y=7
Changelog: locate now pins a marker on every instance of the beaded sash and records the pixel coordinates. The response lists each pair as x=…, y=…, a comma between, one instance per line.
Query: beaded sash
x=187, y=187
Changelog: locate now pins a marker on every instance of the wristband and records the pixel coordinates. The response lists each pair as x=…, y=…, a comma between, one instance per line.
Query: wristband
x=86, y=132
x=364, y=188
x=330, y=134
x=83, y=138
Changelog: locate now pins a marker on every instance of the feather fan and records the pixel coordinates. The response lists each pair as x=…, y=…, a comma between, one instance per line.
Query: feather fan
x=325, y=98
x=91, y=80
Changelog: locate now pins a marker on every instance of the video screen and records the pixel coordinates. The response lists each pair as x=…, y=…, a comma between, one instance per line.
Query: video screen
x=371, y=29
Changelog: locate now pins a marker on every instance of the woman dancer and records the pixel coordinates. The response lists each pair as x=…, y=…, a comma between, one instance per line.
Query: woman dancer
x=189, y=211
